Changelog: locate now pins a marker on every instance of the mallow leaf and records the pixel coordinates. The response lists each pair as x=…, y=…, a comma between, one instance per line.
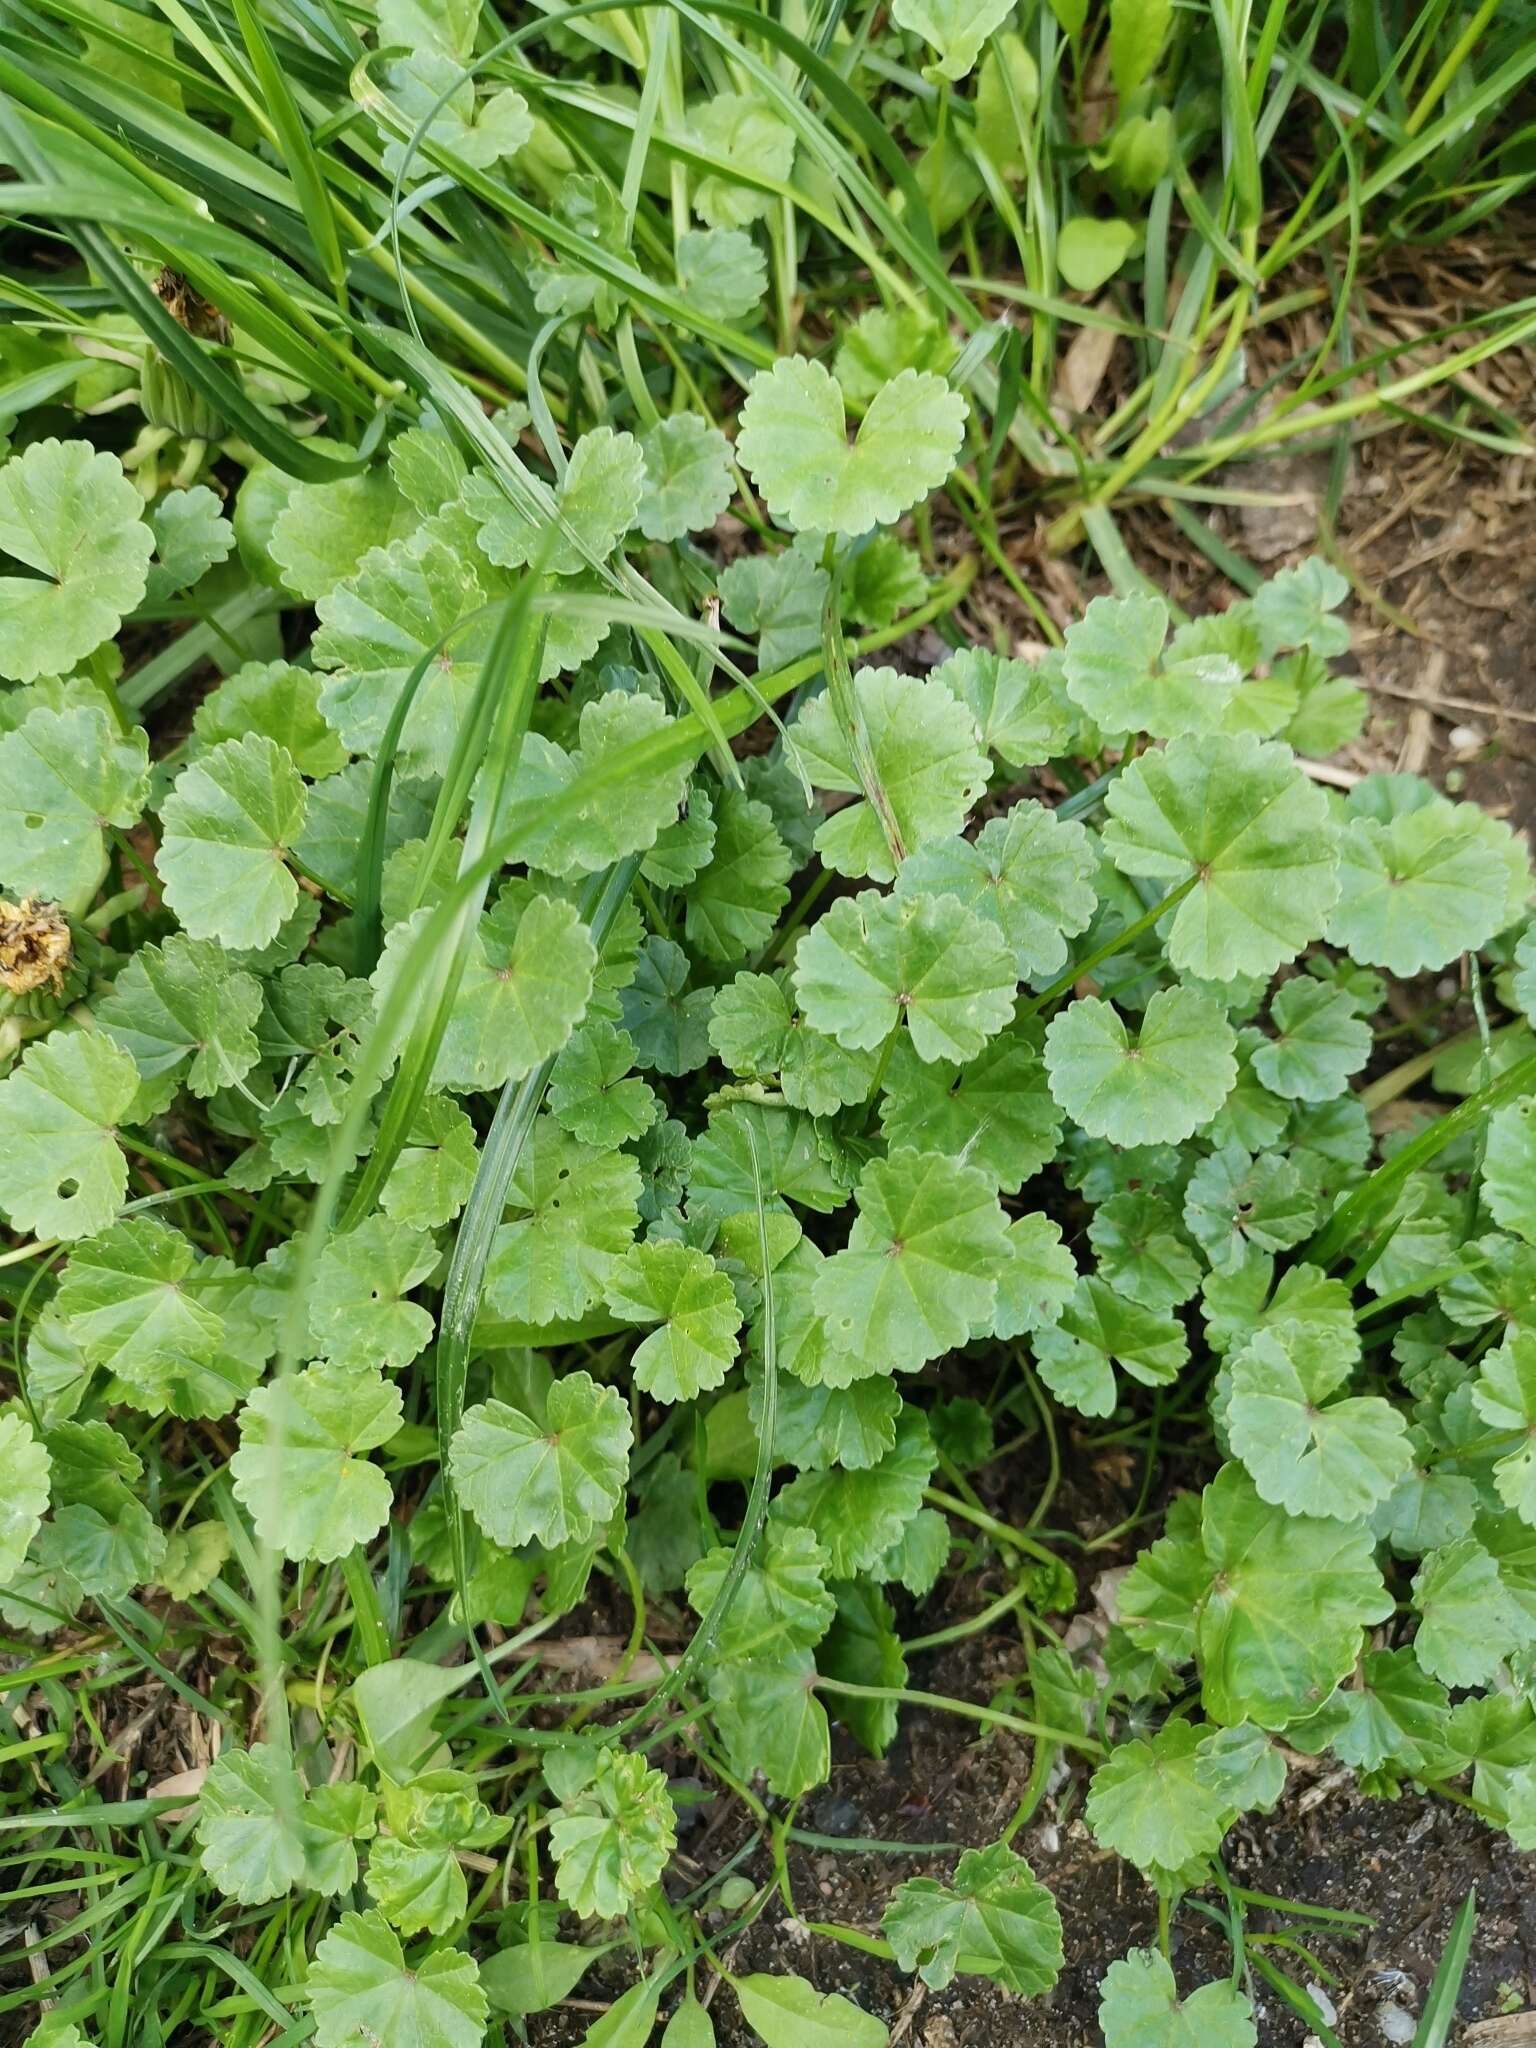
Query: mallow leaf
x=1504, y=1395
x=564, y=816
x=737, y=130
x=1417, y=889
x=1148, y=1802
x=1018, y=716
x=1469, y=1620
x=65, y=775
x=301, y=1469
x=552, y=1481
x=692, y=1304
x=1304, y=1450
x=996, y=1112
x=1029, y=873
x=1156, y=1088
x=956, y=29
x=596, y=504
x=358, y=1312
x=792, y=437
x=1319, y=1042
x=359, y=1985
x=1116, y=672
x=687, y=477
x=613, y=1835
x=279, y=699
x=1237, y=819
x=756, y=1029
x=1141, y=2008
x=68, y=512
x=571, y=1210
x=733, y=903
x=1509, y=1167
x=183, y=1005
x=26, y=1465
x=62, y=1172
x=1098, y=1329
x=227, y=826
x=995, y=1919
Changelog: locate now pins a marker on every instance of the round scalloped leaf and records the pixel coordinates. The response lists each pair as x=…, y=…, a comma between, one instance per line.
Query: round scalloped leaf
x=612, y=1839
x=323, y=531
x=792, y=437
x=1304, y=1451
x=995, y=1113
x=1469, y=1620
x=1155, y=1088
x=1097, y=1330
x=1141, y=2008
x=571, y=1211
x=552, y=1481
x=300, y=1468
x=1289, y=1601
x=755, y=1029
x=358, y=1314
x=1509, y=1167
x=736, y=130
x=687, y=477
x=996, y=1919
x=599, y=818
x=594, y=1092
x=1148, y=1802
x=1018, y=716
x=1136, y=1239
x=1234, y=1200
x=873, y=960
x=1319, y=1042
x=956, y=29
x=1030, y=873
x=597, y=504
x=226, y=829
x=1418, y=889
x=359, y=1988
x=26, y=1466
x=1295, y=609
x=1115, y=671
x=279, y=699
x=1038, y=1281
x=721, y=272
x=64, y=775
x=733, y=902
x=67, y=511
x=1504, y=1395
x=925, y=754
x=1238, y=817
x=62, y=1172
x=184, y=1004
x=684, y=1292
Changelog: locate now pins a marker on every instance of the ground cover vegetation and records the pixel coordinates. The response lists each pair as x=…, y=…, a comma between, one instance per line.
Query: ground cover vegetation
x=582, y=1032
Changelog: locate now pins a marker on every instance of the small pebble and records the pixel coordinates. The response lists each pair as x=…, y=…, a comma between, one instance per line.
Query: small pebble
x=1396, y=2025
x=1465, y=739
x=1327, y=2011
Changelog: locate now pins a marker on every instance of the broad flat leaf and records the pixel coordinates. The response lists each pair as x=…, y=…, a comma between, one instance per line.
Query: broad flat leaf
x=276, y=698
x=323, y=531
x=995, y=1113
x=1417, y=890
x=1038, y=1281
x=1289, y=1599
x=1149, y=1804
x=733, y=903
x=399, y=605
x=689, y=2027
x=594, y=828
x=596, y=504
x=683, y=847
x=533, y=1976
x=1234, y=1202
x=26, y=1465
x=863, y=1648
x=1137, y=32
x=787, y=2012
x=182, y=1004
x=721, y=271
x=768, y=1716
x=300, y=1468
x=956, y=29
x=858, y=1515
x=552, y=1482
x=1295, y=607
x=885, y=340
x=668, y=1021
x=873, y=960
x=526, y=983
x=687, y=477
x=571, y=1211
x=358, y=1985
x=1319, y=1042
x=780, y=1599
x=1019, y=718
x=1469, y=1620
x=1028, y=873
x=1243, y=1766
x=924, y=749
x=594, y=1092
x=62, y=1173
x=756, y=1029
x=191, y=535
x=613, y=1839
x=789, y=1157
x=882, y=578
x=1140, y=1251
x=1157, y=1088
x=1116, y=671
x=260, y=1833
x=1254, y=832
x=1091, y=247
x=1509, y=1167
x=792, y=437
x=1304, y=1451
x=994, y=1920
x=778, y=597
x=63, y=776
x=1098, y=1329
x=1505, y=1397
x=226, y=829
x=922, y=1261
x=194, y=1557
x=68, y=512
x=693, y=1303
x=432, y=93
x=435, y=1172
x=739, y=132
x=1141, y=2008
x=1394, y=1714
x=358, y=1314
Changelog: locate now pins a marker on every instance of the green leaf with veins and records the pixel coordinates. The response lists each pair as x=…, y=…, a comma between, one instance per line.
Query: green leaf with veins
x=62, y=1173
x=1028, y=873
x=1116, y=672
x=693, y=1303
x=755, y=1029
x=789, y=1154
x=720, y=271
x=995, y=1113
x=1394, y=1713
x=324, y=531
x=1019, y=718
x=1469, y=1620
x=1509, y=1167
x=882, y=578
x=922, y=1261
x=781, y=1599
x=1141, y=2008
x=300, y=1468
x=359, y=1985
x=1157, y=1089
x=872, y=960
x=792, y=438
x=778, y=597
x=1098, y=1329
x=227, y=826
x=594, y=1092
x=552, y=1481
x=26, y=1465
x=668, y=1021
x=1148, y=1802
x=1141, y=1254
x=597, y=504
x=734, y=902
x=275, y=698
x=260, y=1833
x=1256, y=836
x=1418, y=889
x=64, y=776
x=182, y=1004
x=433, y=1175
x=68, y=512
x=739, y=133
x=996, y=1919
x=787, y=2012
x=571, y=1211
x=883, y=341
x=1319, y=1042
x=1234, y=1201
x=857, y=1516
x=684, y=846
x=613, y=1838
x=1243, y=1766
x=1293, y=609
x=1290, y=1597
x=687, y=477
x=956, y=29
x=1504, y=1395
x=1038, y=1281
x=358, y=1314
x=608, y=821
x=924, y=748
x=191, y=536
x=401, y=604
x=1303, y=1450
